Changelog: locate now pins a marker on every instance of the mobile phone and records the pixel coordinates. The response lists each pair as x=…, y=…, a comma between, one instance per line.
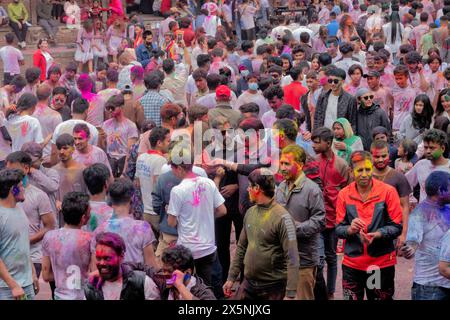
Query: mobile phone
x=179, y=37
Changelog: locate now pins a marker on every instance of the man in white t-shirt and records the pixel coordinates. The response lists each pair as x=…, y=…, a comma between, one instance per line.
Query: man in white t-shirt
x=434, y=143
x=148, y=169
x=21, y=126
x=194, y=204
x=79, y=114
x=248, y=11
x=12, y=59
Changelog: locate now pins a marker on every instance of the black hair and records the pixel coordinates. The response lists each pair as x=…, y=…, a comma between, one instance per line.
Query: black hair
x=152, y=80
x=286, y=111
x=250, y=107
x=437, y=183
x=74, y=206
x=26, y=101
x=409, y=148
x=296, y=72
x=423, y=120
x=82, y=127
x=435, y=136
x=203, y=60
x=19, y=157
x=168, y=66
x=53, y=69
x=9, y=37
x=264, y=179
x=178, y=257
x=199, y=74
x=95, y=177
x=246, y=45
x=337, y=72
x=111, y=240
x=19, y=82
x=323, y=133
x=325, y=59
x=79, y=105
x=288, y=127
x=59, y=90
x=8, y=179
x=355, y=67
x=63, y=140
x=274, y=91
x=439, y=107
x=112, y=75
x=101, y=66
x=121, y=191
x=213, y=80
x=32, y=74
x=157, y=134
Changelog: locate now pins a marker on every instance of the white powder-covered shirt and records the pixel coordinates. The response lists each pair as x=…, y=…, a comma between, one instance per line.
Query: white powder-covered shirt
x=193, y=202
x=11, y=57
x=23, y=129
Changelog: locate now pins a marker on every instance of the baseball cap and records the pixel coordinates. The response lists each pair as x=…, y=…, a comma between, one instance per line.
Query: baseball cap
x=361, y=91
x=372, y=74
x=223, y=91
x=33, y=149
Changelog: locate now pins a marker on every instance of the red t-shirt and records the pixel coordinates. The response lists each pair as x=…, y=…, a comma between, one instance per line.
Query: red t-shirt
x=292, y=94
x=188, y=36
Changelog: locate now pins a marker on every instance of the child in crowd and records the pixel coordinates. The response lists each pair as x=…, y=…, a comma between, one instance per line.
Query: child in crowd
x=115, y=34
x=84, y=53
x=98, y=43
x=406, y=152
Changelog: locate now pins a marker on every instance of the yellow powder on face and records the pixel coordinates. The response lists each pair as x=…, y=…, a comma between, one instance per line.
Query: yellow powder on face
x=365, y=164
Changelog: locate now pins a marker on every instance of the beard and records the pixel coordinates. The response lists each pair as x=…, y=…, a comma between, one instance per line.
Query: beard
x=110, y=272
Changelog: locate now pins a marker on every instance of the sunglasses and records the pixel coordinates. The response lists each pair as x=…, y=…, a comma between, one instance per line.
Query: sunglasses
x=368, y=97
x=335, y=81
x=110, y=108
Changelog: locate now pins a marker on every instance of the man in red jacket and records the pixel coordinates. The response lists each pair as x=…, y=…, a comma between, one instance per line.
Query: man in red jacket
x=335, y=175
x=369, y=218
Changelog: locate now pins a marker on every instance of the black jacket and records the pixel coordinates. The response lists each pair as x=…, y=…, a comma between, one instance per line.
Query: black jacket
x=367, y=119
x=346, y=108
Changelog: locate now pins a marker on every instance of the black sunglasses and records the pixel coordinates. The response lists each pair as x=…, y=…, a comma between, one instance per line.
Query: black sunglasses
x=335, y=81
x=110, y=108
x=368, y=97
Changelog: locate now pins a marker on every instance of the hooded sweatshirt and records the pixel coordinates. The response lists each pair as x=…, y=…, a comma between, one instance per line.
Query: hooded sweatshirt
x=352, y=141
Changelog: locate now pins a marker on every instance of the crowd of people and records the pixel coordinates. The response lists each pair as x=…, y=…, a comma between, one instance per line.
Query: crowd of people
x=231, y=152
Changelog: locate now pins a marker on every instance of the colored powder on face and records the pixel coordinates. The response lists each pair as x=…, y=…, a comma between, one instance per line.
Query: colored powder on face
x=437, y=154
x=367, y=164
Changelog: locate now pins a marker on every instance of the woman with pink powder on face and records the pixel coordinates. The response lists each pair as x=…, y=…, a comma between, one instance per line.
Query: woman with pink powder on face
x=96, y=109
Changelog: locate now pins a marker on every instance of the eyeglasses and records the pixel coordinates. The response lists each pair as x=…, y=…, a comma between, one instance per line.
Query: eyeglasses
x=335, y=81
x=110, y=108
x=368, y=97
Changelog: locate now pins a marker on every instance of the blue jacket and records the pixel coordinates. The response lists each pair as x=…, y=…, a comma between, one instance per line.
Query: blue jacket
x=143, y=55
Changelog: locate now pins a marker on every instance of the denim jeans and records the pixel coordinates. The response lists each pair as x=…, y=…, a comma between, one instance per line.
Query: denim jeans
x=320, y=289
x=421, y=292
x=329, y=239
x=6, y=294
